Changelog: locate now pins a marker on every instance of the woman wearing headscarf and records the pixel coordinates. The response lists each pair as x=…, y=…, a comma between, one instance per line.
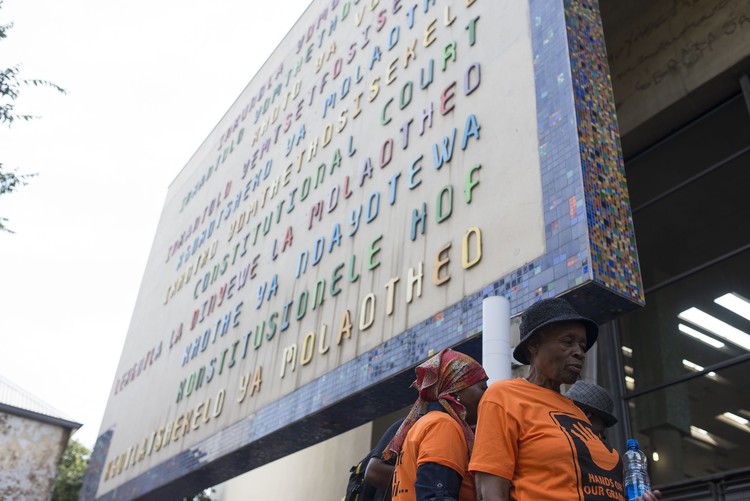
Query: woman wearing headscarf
x=434, y=442
x=532, y=443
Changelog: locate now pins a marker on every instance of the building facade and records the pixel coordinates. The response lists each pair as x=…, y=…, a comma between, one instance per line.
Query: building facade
x=620, y=128
x=679, y=73
x=33, y=437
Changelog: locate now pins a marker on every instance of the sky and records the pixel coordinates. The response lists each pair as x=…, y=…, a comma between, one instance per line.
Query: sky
x=146, y=82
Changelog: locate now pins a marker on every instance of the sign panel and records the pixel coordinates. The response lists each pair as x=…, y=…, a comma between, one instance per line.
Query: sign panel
x=390, y=165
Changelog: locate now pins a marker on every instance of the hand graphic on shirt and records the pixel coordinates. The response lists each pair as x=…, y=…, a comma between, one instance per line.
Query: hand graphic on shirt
x=603, y=457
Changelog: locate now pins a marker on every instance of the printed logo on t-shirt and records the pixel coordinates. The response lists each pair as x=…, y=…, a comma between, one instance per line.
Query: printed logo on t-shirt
x=599, y=466
x=398, y=486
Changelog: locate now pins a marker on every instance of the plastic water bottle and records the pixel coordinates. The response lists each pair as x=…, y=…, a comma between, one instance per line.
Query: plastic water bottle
x=635, y=472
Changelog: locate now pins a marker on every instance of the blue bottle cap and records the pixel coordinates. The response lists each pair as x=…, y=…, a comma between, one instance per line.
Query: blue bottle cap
x=632, y=443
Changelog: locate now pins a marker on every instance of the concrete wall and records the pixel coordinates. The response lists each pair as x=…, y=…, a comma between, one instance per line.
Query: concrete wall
x=661, y=51
x=318, y=473
x=30, y=452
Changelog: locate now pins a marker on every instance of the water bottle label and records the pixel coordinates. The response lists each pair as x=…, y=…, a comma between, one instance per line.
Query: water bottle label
x=634, y=491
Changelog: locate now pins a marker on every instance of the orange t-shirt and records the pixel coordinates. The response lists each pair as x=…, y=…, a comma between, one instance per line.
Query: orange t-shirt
x=543, y=443
x=435, y=438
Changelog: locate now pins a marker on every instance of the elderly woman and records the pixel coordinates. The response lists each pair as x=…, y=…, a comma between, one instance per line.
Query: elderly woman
x=532, y=443
x=434, y=442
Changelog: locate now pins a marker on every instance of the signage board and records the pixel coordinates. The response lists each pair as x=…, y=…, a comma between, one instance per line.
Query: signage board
x=390, y=165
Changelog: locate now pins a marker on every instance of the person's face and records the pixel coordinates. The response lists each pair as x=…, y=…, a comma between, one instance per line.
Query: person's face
x=558, y=351
x=469, y=398
x=597, y=424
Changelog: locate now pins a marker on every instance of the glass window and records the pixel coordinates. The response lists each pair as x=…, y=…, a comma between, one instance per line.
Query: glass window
x=694, y=225
x=696, y=428
x=700, y=321
x=695, y=148
x=703, y=220
x=695, y=260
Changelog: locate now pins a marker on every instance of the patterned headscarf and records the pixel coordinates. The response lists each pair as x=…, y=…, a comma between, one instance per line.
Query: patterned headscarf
x=437, y=379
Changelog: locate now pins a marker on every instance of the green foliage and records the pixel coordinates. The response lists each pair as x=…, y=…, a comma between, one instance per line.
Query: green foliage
x=10, y=87
x=70, y=474
x=9, y=181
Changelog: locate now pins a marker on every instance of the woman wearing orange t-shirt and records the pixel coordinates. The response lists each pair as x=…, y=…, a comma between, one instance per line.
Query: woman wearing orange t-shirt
x=434, y=442
x=532, y=443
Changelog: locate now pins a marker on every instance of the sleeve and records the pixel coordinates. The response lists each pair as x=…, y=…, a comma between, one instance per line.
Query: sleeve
x=496, y=441
x=444, y=444
x=385, y=440
x=436, y=482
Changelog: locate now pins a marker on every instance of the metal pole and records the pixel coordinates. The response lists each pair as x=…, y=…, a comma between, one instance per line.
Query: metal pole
x=496, y=350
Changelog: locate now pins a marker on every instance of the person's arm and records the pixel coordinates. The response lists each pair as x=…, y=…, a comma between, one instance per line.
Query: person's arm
x=436, y=482
x=379, y=473
x=491, y=487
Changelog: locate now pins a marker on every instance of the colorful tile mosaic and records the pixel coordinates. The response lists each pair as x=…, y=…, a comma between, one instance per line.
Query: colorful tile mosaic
x=610, y=223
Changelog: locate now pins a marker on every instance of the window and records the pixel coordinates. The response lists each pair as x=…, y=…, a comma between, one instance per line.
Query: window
x=686, y=354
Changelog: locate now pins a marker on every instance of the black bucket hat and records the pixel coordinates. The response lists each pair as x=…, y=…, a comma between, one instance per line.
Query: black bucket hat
x=546, y=312
x=594, y=399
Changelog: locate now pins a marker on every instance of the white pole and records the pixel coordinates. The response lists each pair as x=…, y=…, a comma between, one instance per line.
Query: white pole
x=496, y=351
